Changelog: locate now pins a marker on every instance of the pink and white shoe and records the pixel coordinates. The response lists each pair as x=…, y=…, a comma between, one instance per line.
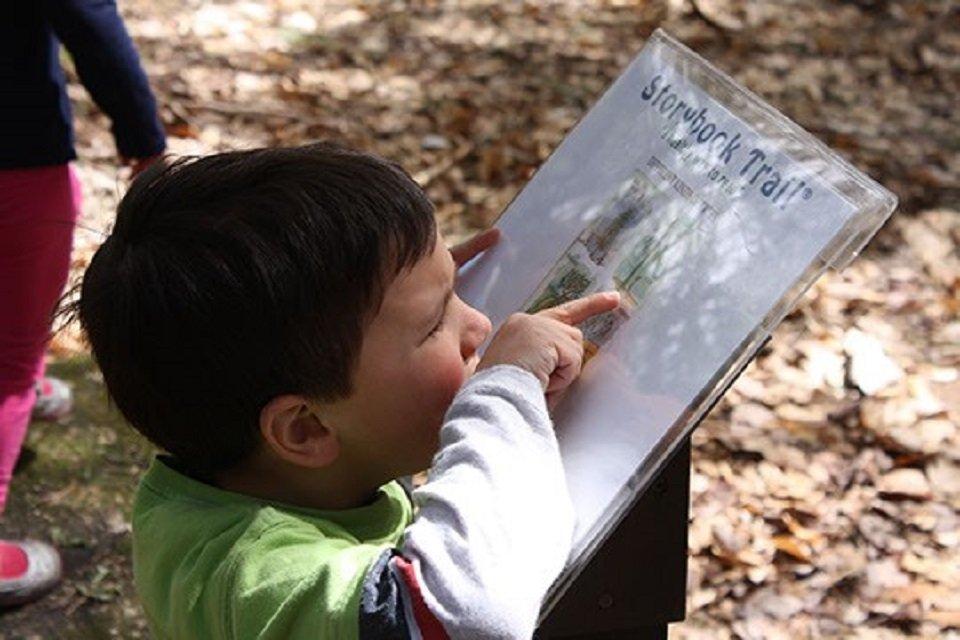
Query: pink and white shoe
x=28, y=570
x=54, y=399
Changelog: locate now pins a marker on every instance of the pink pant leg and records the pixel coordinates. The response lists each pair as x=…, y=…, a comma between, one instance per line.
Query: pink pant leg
x=38, y=210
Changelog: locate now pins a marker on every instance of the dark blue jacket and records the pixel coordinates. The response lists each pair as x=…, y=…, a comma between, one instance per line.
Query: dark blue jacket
x=35, y=126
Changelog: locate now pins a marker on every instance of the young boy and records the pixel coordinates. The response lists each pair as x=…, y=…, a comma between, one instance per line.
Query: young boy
x=282, y=322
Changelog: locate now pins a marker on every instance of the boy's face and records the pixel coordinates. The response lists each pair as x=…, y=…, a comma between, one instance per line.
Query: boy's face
x=416, y=353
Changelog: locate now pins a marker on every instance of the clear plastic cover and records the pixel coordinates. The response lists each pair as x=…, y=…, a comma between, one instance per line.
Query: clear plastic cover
x=711, y=213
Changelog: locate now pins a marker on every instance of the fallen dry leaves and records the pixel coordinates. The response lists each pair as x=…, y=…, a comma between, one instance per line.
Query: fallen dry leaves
x=826, y=485
x=825, y=492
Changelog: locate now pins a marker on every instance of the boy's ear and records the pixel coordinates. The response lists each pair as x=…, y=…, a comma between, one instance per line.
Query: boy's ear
x=296, y=434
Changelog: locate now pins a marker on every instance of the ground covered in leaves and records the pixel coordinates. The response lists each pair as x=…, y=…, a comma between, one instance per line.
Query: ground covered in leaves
x=825, y=486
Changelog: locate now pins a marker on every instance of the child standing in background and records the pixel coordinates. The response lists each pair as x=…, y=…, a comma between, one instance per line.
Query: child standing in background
x=39, y=205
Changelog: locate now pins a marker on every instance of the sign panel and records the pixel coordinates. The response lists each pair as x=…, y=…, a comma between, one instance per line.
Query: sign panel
x=711, y=213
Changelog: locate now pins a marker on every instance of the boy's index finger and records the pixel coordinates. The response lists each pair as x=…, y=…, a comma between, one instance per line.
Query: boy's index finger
x=576, y=311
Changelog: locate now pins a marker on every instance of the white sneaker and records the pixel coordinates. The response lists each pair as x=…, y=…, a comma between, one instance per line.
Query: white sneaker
x=54, y=399
x=28, y=569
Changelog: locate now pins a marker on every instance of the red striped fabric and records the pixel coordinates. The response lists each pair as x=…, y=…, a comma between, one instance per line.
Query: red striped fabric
x=430, y=627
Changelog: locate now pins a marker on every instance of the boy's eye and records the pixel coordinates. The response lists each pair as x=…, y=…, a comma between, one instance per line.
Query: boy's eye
x=436, y=329
x=443, y=315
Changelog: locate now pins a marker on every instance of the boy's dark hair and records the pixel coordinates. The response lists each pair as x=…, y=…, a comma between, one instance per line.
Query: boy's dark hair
x=231, y=279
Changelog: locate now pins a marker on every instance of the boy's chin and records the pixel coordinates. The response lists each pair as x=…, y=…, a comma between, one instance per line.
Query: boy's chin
x=414, y=470
x=419, y=463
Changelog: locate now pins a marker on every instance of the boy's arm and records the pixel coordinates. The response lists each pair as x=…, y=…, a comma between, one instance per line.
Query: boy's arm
x=108, y=66
x=494, y=526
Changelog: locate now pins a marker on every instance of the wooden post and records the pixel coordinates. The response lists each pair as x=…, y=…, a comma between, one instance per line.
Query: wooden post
x=636, y=584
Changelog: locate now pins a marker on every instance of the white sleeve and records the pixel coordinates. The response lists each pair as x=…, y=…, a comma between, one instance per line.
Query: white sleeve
x=495, y=521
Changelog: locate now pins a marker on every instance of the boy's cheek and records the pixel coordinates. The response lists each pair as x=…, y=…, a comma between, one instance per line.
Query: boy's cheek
x=448, y=378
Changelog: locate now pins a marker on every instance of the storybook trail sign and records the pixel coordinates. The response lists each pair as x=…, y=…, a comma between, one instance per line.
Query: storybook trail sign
x=711, y=213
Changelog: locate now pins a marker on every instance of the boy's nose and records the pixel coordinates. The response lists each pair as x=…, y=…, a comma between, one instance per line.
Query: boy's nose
x=477, y=329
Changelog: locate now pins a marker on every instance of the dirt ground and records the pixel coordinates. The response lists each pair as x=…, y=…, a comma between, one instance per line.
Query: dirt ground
x=825, y=486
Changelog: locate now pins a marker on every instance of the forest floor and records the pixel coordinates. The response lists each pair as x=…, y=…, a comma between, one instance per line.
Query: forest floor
x=825, y=485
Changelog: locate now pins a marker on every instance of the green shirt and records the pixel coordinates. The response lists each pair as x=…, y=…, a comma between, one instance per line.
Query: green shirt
x=214, y=564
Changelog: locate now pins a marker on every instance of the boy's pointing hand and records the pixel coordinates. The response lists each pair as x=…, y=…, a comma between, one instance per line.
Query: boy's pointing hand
x=576, y=311
x=547, y=344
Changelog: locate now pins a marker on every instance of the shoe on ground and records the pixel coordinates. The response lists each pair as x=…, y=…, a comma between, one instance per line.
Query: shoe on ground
x=54, y=399
x=28, y=570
